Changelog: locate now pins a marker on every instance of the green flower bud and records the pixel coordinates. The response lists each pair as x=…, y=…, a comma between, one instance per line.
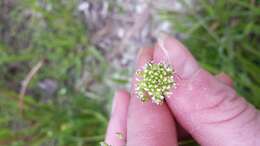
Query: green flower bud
x=154, y=80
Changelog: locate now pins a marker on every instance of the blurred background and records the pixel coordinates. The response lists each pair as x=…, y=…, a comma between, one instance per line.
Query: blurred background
x=61, y=60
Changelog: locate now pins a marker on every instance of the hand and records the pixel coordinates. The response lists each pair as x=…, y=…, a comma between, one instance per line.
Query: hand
x=206, y=106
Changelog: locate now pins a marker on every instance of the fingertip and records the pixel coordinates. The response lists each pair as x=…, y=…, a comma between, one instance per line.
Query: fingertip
x=144, y=55
x=117, y=123
x=121, y=97
x=224, y=78
x=171, y=51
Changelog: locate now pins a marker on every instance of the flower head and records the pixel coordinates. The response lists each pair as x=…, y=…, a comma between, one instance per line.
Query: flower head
x=104, y=144
x=155, y=81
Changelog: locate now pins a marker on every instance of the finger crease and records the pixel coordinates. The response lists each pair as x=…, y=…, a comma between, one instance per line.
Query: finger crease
x=232, y=117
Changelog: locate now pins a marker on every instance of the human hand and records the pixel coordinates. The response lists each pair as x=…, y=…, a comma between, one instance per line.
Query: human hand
x=206, y=106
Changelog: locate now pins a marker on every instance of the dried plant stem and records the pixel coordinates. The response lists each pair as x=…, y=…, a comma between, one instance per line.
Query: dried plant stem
x=26, y=82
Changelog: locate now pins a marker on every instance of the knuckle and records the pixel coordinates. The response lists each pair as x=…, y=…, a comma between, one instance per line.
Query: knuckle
x=239, y=112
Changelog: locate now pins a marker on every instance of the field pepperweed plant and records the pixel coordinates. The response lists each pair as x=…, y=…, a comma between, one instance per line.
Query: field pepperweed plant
x=154, y=80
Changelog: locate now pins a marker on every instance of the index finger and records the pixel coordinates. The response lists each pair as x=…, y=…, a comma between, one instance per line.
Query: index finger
x=149, y=124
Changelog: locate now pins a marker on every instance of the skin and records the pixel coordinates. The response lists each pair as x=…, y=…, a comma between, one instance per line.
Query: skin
x=203, y=106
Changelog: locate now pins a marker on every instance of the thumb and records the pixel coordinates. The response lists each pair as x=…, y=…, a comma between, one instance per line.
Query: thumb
x=208, y=109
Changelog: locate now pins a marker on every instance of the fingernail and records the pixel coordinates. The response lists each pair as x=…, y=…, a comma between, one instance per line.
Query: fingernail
x=117, y=95
x=141, y=50
x=161, y=44
x=114, y=104
x=162, y=36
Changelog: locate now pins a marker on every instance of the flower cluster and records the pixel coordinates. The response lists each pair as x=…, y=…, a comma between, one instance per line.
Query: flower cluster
x=155, y=81
x=104, y=144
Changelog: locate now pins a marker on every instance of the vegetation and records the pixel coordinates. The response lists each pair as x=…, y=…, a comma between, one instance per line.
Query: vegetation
x=223, y=36
x=51, y=32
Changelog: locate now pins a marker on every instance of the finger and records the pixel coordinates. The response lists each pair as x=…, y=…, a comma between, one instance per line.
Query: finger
x=224, y=78
x=210, y=110
x=171, y=51
x=116, y=132
x=149, y=124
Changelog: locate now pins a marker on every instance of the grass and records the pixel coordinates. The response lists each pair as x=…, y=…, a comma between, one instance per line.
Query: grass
x=69, y=121
x=51, y=31
x=222, y=35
